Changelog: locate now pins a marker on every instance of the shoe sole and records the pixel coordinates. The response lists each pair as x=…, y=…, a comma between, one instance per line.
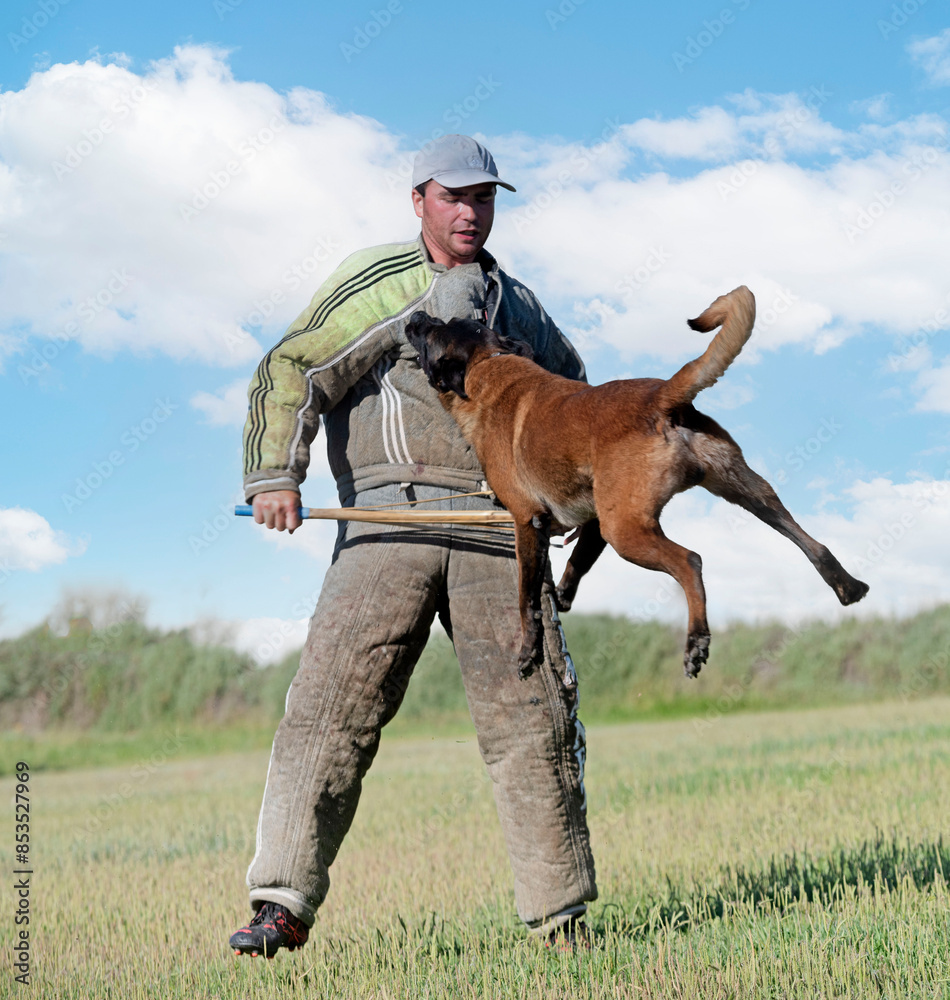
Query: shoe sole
x=257, y=954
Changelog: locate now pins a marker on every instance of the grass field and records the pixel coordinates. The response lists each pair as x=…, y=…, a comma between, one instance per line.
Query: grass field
x=783, y=854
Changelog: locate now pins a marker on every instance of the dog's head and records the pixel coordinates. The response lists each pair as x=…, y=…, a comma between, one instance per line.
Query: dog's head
x=446, y=349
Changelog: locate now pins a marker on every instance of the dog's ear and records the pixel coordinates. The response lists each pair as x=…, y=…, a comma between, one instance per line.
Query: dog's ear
x=417, y=333
x=520, y=347
x=418, y=326
x=448, y=375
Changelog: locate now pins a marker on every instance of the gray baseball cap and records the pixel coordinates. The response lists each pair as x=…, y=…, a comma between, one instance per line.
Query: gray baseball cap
x=455, y=161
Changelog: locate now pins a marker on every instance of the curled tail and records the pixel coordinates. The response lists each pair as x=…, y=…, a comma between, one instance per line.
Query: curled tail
x=735, y=313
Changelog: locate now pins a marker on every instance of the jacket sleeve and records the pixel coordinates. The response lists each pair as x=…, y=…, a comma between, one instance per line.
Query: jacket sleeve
x=558, y=354
x=348, y=325
x=552, y=350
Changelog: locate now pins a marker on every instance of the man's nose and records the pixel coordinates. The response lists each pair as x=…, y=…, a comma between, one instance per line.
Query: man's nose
x=467, y=211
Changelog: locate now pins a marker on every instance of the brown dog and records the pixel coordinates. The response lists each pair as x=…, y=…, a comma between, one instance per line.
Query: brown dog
x=560, y=453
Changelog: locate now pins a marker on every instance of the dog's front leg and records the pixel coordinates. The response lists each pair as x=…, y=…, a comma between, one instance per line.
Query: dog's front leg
x=590, y=544
x=531, y=544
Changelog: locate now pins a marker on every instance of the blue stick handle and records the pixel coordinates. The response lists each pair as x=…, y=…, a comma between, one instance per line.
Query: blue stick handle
x=246, y=510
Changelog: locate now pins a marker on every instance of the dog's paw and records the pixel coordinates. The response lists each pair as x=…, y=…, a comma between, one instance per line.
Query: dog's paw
x=697, y=652
x=563, y=599
x=850, y=590
x=530, y=656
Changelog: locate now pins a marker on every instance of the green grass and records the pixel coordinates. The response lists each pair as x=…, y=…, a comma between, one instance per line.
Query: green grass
x=107, y=696
x=785, y=854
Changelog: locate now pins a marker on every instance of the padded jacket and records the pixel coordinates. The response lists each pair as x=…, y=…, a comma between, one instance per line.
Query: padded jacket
x=346, y=357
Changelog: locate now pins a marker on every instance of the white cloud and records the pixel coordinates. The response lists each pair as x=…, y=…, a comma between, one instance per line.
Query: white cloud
x=268, y=640
x=934, y=386
x=713, y=134
x=226, y=407
x=933, y=56
x=176, y=210
x=877, y=108
x=27, y=541
x=894, y=536
x=182, y=210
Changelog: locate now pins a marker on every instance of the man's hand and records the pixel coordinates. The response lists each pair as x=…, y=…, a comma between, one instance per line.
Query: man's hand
x=278, y=509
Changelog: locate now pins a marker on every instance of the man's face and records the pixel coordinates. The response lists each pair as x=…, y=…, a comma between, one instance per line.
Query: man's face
x=455, y=221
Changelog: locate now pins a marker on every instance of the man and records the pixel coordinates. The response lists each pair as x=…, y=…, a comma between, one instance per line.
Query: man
x=390, y=441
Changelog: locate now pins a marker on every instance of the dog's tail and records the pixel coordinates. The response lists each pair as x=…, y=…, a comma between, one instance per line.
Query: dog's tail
x=735, y=313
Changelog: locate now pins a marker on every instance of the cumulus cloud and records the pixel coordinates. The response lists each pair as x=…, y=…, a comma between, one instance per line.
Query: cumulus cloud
x=268, y=640
x=27, y=541
x=933, y=56
x=177, y=210
x=183, y=211
x=226, y=407
x=934, y=388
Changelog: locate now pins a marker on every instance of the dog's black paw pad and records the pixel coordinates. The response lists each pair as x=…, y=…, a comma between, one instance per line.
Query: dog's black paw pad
x=562, y=601
x=697, y=652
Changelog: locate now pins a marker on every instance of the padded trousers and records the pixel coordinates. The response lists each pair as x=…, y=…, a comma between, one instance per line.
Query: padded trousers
x=379, y=598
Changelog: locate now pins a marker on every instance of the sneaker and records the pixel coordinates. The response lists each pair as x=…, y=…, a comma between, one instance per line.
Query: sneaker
x=572, y=936
x=273, y=927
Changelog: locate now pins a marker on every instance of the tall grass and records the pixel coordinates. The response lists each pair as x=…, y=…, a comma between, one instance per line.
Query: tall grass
x=130, y=678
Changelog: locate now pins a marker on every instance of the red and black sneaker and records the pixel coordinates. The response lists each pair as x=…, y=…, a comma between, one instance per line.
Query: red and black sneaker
x=273, y=927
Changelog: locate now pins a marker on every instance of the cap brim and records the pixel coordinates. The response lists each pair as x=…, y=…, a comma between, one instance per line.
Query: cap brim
x=467, y=178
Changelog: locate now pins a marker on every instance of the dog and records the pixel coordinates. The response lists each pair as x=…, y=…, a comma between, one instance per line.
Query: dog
x=562, y=454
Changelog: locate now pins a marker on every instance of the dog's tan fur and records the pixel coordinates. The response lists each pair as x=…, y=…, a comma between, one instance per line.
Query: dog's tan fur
x=560, y=454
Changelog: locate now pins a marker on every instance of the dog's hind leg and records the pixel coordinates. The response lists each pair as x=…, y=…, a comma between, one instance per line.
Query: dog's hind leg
x=586, y=552
x=647, y=546
x=728, y=476
x=532, y=535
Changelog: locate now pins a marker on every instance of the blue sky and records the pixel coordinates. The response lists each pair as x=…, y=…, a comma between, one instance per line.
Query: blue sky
x=661, y=154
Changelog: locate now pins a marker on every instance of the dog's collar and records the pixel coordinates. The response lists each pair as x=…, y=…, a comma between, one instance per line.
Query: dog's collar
x=495, y=355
